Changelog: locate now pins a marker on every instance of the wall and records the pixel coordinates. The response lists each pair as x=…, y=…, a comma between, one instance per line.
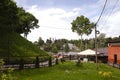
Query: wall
x=112, y=50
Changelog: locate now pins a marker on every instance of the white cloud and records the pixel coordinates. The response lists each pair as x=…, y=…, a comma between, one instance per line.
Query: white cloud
x=111, y=27
x=53, y=18
x=54, y=22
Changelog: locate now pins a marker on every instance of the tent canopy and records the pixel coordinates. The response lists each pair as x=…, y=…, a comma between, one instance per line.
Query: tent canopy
x=88, y=52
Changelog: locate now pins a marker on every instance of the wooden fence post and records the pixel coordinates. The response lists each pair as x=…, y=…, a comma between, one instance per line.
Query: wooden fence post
x=50, y=62
x=37, y=62
x=56, y=61
x=21, y=64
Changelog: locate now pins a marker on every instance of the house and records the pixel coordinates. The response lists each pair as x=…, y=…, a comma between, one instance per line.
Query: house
x=103, y=54
x=72, y=47
x=114, y=52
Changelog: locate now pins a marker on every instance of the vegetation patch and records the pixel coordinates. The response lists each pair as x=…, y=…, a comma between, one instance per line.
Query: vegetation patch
x=69, y=71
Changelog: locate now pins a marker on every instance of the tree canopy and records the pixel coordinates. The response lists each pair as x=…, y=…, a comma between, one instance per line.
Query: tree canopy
x=82, y=25
x=8, y=15
x=15, y=19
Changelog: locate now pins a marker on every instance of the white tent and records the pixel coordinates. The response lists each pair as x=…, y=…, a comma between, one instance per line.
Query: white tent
x=88, y=52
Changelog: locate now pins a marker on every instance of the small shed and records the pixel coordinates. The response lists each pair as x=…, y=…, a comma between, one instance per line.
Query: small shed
x=114, y=51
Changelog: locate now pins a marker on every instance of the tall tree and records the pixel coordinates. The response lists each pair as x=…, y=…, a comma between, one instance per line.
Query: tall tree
x=26, y=22
x=8, y=16
x=82, y=25
x=40, y=42
x=101, y=40
x=66, y=48
x=15, y=19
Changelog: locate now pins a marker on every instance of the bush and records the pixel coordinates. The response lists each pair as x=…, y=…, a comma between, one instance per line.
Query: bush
x=79, y=63
x=5, y=74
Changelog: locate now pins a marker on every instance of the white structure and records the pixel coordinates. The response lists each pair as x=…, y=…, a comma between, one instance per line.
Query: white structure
x=88, y=52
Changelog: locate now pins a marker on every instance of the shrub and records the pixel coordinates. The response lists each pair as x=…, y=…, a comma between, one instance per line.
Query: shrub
x=106, y=75
x=5, y=75
x=79, y=63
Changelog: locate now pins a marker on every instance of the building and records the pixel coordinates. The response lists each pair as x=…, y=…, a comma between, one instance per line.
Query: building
x=103, y=54
x=114, y=52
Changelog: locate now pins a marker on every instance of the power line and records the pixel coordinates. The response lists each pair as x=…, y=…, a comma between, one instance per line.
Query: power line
x=111, y=11
x=101, y=12
x=55, y=28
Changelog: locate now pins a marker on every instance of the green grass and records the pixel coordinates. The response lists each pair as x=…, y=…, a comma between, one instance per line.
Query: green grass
x=68, y=71
x=16, y=45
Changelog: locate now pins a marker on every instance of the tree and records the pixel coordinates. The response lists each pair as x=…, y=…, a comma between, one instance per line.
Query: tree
x=8, y=16
x=101, y=40
x=40, y=42
x=66, y=48
x=49, y=41
x=54, y=49
x=26, y=22
x=15, y=19
x=82, y=25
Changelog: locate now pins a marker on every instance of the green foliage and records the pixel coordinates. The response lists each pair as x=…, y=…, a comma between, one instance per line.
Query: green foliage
x=79, y=63
x=101, y=40
x=5, y=74
x=26, y=22
x=8, y=16
x=54, y=49
x=106, y=75
x=15, y=45
x=15, y=19
x=40, y=42
x=82, y=25
x=66, y=47
x=68, y=71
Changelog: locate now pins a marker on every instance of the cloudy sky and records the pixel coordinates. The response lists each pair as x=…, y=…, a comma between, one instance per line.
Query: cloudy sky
x=55, y=17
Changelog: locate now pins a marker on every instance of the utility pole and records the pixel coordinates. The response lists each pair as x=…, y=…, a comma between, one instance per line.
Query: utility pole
x=96, y=48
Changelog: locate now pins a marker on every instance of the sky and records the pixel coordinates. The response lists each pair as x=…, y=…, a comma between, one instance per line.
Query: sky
x=55, y=17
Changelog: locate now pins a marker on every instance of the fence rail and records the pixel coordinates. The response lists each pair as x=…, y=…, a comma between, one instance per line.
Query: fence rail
x=28, y=62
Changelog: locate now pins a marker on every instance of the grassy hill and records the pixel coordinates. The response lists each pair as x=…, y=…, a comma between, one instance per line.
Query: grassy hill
x=15, y=45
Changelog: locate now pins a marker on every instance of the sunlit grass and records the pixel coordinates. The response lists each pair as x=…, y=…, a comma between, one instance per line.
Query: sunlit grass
x=68, y=71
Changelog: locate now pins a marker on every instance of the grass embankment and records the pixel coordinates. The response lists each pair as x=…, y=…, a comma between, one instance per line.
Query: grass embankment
x=14, y=45
x=68, y=71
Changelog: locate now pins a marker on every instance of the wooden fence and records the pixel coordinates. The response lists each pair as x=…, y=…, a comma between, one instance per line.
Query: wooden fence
x=28, y=62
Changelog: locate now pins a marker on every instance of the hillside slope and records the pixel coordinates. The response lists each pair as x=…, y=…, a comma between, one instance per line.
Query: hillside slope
x=15, y=45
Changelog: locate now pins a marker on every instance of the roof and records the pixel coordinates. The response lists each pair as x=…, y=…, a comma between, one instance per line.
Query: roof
x=88, y=52
x=103, y=51
x=114, y=41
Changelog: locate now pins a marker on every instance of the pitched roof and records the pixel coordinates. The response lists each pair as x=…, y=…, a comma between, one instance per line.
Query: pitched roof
x=114, y=41
x=103, y=51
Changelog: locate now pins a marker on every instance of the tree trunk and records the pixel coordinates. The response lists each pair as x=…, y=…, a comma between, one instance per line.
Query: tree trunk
x=81, y=43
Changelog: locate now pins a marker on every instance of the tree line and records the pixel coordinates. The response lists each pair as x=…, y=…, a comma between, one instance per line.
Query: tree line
x=51, y=45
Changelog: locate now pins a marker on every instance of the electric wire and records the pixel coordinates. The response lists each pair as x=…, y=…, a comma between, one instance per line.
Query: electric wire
x=55, y=28
x=111, y=11
x=101, y=12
